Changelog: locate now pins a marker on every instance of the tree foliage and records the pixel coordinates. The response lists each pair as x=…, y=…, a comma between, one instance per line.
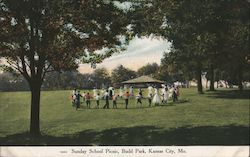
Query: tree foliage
x=203, y=34
x=149, y=69
x=120, y=74
x=38, y=36
x=101, y=78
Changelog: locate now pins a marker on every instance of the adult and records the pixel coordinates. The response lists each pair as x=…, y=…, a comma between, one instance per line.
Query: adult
x=139, y=97
x=171, y=91
x=156, y=99
x=110, y=91
x=77, y=99
x=106, y=97
x=121, y=92
x=150, y=90
x=103, y=92
x=131, y=91
x=125, y=88
x=165, y=95
x=175, y=95
x=150, y=96
x=177, y=92
x=113, y=91
x=162, y=89
x=94, y=92
x=83, y=96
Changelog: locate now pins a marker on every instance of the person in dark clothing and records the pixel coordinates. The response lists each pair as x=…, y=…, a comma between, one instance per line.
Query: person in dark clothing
x=175, y=95
x=106, y=97
x=77, y=99
x=139, y=97
x=110, y=94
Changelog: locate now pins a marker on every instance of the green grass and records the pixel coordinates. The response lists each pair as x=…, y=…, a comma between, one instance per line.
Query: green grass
x=214, y=118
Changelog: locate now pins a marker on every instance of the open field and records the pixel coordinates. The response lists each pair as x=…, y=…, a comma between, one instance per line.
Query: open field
x=214, y=118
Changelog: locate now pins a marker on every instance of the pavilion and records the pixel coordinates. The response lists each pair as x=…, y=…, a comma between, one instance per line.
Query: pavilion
x=143, y=81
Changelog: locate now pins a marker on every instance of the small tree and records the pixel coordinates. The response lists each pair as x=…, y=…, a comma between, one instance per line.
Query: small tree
x=39, y=36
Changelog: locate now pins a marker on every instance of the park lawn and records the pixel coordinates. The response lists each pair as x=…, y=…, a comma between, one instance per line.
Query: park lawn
x=213, y=118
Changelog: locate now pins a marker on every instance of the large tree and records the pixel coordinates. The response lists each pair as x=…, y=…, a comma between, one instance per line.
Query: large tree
x=120, y=74
x=203, y=33
x=101, y=78
x=38, y=36
x=149, y=69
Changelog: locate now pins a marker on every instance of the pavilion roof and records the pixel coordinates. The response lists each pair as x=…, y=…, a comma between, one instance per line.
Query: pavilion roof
x=142, y=79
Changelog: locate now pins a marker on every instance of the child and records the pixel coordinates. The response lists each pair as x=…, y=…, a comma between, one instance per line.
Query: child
x=73, y=97
x=126, y=97
x=97, y=100
x=88, y=97
x=114, y=101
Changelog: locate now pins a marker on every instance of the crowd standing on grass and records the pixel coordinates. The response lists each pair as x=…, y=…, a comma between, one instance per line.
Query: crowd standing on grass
x=155, y=96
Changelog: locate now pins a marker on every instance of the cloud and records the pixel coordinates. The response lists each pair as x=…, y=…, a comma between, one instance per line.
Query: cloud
x=139, y=53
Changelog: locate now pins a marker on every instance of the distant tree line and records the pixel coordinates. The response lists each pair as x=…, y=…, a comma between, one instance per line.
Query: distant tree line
x=101, y=78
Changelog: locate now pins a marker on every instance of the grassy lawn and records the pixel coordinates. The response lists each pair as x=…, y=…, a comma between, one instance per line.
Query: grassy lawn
x=214, y=118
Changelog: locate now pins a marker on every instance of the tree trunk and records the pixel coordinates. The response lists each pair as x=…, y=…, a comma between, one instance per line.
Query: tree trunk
x=240, y=86
x=211, y=78
x=35, y=109
x=199, y=80
x=187, y=83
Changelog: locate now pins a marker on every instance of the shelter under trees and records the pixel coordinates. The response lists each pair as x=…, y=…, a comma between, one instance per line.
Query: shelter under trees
x=143, y=81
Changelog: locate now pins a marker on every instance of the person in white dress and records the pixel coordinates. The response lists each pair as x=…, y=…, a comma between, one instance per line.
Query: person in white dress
x=125, y=88
x=156, y=99
x=131, y=91
x=94, y=92
x=162, y=90
x=150, y=90
x=113, y=91
x=102, y=92
x=73, y=96
x=171, y=90
x=165, y=95
x=121, y=92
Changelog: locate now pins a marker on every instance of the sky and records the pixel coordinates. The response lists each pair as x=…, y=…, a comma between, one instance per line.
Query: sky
x=139, y=52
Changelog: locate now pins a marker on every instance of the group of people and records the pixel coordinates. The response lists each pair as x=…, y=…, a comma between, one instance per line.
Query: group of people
x=154, y=96
x=162, y=97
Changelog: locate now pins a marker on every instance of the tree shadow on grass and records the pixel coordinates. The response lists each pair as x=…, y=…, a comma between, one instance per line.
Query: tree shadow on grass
x=141, y=135
x=229, y=94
